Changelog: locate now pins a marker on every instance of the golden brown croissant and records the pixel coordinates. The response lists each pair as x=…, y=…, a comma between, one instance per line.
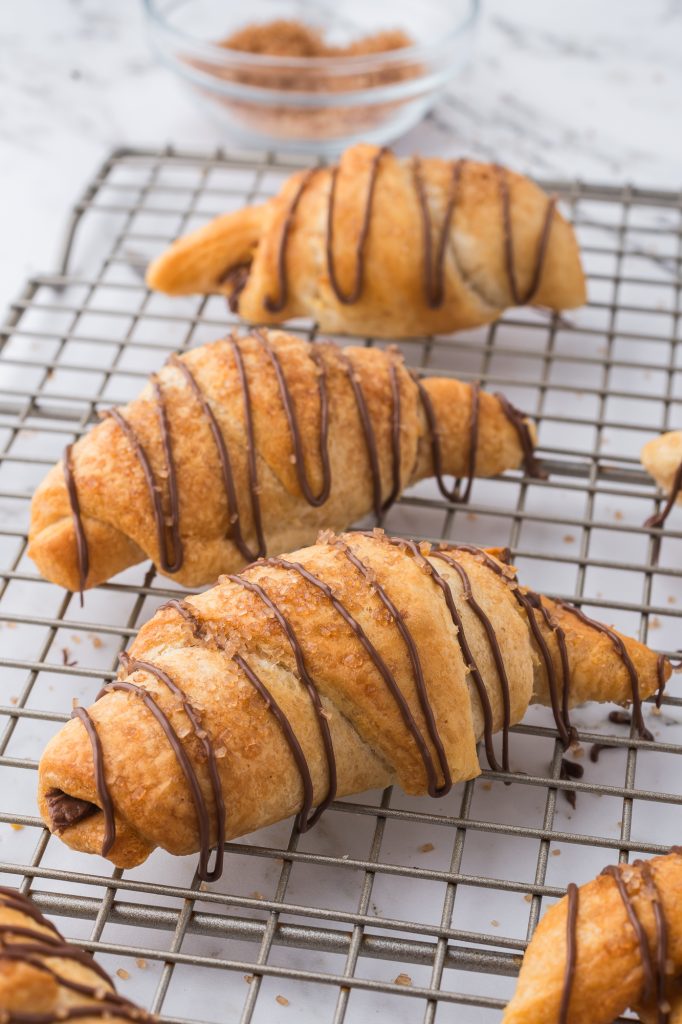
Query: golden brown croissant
x=385, y=247
x=252, y=445
x=662, y=459
x=43, y=978
x=355, y=663
x=610, y=945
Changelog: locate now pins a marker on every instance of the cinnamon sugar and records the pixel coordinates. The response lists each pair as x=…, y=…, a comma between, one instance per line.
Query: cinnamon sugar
x=291, y=38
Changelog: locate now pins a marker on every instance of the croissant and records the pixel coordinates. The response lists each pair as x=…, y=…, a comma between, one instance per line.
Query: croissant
x=610, y=945
x=251, y=445
x=359, y=662
x=385, y=247
x=662, y=459
x=44, y=979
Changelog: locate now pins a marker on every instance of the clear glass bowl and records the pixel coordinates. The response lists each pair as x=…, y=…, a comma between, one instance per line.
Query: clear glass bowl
x=315, y=104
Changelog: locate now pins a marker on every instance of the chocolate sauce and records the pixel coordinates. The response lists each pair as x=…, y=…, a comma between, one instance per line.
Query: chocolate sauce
x=650, y=984
x=622, y=652
x=233, y=517
x=543, y=241
x=455, y=494
x=413, y=654
x=251, y=446
x=573, y=897
x=103, y=794
x=661, y=662
x=624, y=717
x=434, y=284
x=661, y=925
x=530, y=602
x=131, y=665
x=305, y=677
x=236, y=279
x=570, y=770
x=351, y=297
x=102, y=1002
x=659, y=518
x=82, y=552
x=518, y=420
x=470, y=661
x=379, y=505
x=596, y=749
x=290, y=412
x=278, y=304
x=169, y=563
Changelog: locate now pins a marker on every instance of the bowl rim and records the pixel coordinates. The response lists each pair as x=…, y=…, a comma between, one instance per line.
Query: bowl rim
x=330, y=65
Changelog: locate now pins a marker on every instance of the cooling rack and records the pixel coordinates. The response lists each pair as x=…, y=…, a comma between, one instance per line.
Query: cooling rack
x=393, y=905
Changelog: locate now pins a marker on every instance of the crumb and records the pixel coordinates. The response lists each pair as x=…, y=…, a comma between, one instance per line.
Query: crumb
x=75, y=703
x=142, y=964
x=426, y=848
x=282, y=1000
x=248, y=978
x=618, y=515
x=96, y=641
x=528, y=898
x=11, y=625
x=402, y=979
x=578, y=751
x=656, y=711
x=654, y=623
x=471, y=517
x=568, y=538
x=16, y=828
x=556, y=853
x=122, y=974
x=75, y=638
x=672, y=599
x=487, y=786
x=14, y=700
x=203, y=886
x=494, y=923
x=256, y=895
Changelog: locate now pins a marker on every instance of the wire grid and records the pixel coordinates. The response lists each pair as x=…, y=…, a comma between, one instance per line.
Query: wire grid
x=385, y=908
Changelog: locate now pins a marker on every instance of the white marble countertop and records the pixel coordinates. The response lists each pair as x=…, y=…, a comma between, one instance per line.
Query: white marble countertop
x=579, y=89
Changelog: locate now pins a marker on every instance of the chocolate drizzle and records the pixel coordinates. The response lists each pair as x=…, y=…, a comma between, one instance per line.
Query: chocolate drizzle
x=659, y=518
x=622, y=652
x=103, y=1000
x=522, y=299
x=573, y=897
x=650, y=983
x=519, y=422
x=290, y=412
x=103, y=794
x=455, y=494
x=233, y=517
x=251, y=448
x=170, y=563
x=82, y=552
x=351, y=297
x=434, y=284
x=278, y=304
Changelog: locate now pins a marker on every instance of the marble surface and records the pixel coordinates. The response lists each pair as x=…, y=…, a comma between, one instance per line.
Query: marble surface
x=560, y=89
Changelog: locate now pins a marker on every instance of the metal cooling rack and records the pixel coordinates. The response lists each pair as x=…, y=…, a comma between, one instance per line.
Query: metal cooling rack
x=392, y=905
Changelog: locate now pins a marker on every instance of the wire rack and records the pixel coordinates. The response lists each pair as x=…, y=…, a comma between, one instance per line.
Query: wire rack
x=392, y=905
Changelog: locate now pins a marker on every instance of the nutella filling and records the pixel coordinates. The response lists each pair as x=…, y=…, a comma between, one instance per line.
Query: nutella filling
x=67, y=810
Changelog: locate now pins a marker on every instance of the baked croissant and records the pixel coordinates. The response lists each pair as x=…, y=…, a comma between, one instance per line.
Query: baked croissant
x=610, y=945
x=359, y=662
x=44, y=979
x=251, y=445
x=662, y=459
x=386, y=247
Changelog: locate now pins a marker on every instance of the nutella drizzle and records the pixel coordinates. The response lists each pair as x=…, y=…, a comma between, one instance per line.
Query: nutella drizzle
x=659, y=518
x=650, y=983
x=456, y=494
x=573, y=896
x=251, y=447
x=103, y=793
x=169, y=564
x=82, y=552
x=661, y=926
x=519, y=422
x=434, y=291
x=278, y=304
x=622, y=652
x=543, y=241
x=349, y=298
x=290, y=412
x=106, y=1002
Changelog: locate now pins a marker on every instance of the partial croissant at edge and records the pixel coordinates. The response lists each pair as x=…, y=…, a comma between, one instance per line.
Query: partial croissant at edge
x=611, y=945
x=662, y=459
x=251, y=445
x=361, y=661
x=386, y=247
x=45, y=979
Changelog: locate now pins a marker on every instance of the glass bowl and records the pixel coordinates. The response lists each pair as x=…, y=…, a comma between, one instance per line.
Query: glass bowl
x=315, y=104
